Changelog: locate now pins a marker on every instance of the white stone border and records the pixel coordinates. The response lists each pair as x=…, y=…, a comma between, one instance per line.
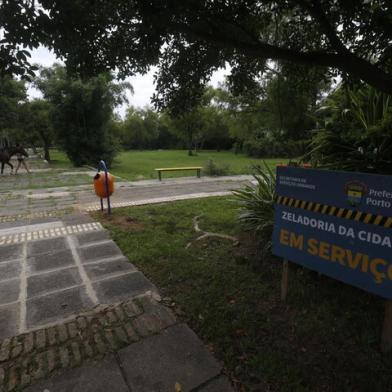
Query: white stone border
x=97, y=207
x=49, y=233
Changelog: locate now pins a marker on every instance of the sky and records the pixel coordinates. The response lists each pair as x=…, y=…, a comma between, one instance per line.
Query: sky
x=142, y=84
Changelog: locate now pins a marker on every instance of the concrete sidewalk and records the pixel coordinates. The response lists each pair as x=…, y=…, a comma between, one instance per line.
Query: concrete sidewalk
x=76, y=315
x=32, y=203
x=53, y=270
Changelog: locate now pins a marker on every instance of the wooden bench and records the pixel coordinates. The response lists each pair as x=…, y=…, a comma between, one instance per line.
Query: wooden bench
x=162, y=169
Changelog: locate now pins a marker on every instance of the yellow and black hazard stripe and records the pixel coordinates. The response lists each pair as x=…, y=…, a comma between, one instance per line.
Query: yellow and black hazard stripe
x=344, y=213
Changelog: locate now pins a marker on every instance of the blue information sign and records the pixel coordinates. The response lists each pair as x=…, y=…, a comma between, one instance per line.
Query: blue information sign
x=337, y=223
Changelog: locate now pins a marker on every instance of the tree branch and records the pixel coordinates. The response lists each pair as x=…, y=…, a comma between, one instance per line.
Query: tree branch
x=315, y=10
x=345, y=61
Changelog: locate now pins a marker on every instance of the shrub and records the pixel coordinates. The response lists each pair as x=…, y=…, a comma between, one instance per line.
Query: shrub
x=213, y=169
x=356, y=136
x=270, y=148
x=257, y=205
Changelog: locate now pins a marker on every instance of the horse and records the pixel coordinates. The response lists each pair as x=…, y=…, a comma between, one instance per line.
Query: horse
x=7, y=152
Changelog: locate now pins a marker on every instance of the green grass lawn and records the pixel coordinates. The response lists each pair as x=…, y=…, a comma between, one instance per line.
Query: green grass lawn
x=134, y=165
x=59, y=160
x=139, y=165
x=325, y=338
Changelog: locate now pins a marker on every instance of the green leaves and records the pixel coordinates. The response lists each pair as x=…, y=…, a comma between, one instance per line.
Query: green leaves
x=82, y=113
x=12, y=95
x=358, y=132
x=256, y=204
x=188, y=40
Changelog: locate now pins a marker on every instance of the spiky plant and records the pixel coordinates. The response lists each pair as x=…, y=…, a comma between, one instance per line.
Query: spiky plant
x=357, y=138
x=256, y=201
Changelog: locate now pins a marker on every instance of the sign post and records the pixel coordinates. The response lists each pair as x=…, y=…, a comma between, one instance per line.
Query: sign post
x=338, y=224
x=285, y=280
x=386, y=335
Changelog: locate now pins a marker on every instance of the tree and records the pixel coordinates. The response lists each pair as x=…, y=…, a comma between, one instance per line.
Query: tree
x=189, y=127
x=274, y=117
x=216, y=133
x=140, y=129
x=37, y=124
x=204, y=125
x=12, y=96
x=82, y=113
x=147, y=129
x=188, y=40
x=291, y=99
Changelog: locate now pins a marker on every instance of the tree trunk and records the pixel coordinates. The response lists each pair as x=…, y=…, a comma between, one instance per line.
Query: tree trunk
x=190, y=137
x=46, y=152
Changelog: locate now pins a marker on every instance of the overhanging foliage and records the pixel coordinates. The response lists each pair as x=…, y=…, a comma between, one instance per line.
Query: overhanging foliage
x=188, y=40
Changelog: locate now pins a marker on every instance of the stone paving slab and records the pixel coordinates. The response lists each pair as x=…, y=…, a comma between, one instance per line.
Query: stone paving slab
x=43, y=225
x=100, y=376
x=122, y=287
x=46, y=246
x=9, y=291
x=10, y=269
x=18, y=217
x=50, y=261
x=100, y=251
x=9, y=320
x=174, y=356
x=12, y=223
x=45, y=281
x=55, y=307
x=76, y=218
x=38, y=220
x=11, y=252
x=96, y=271
x=94, y=236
